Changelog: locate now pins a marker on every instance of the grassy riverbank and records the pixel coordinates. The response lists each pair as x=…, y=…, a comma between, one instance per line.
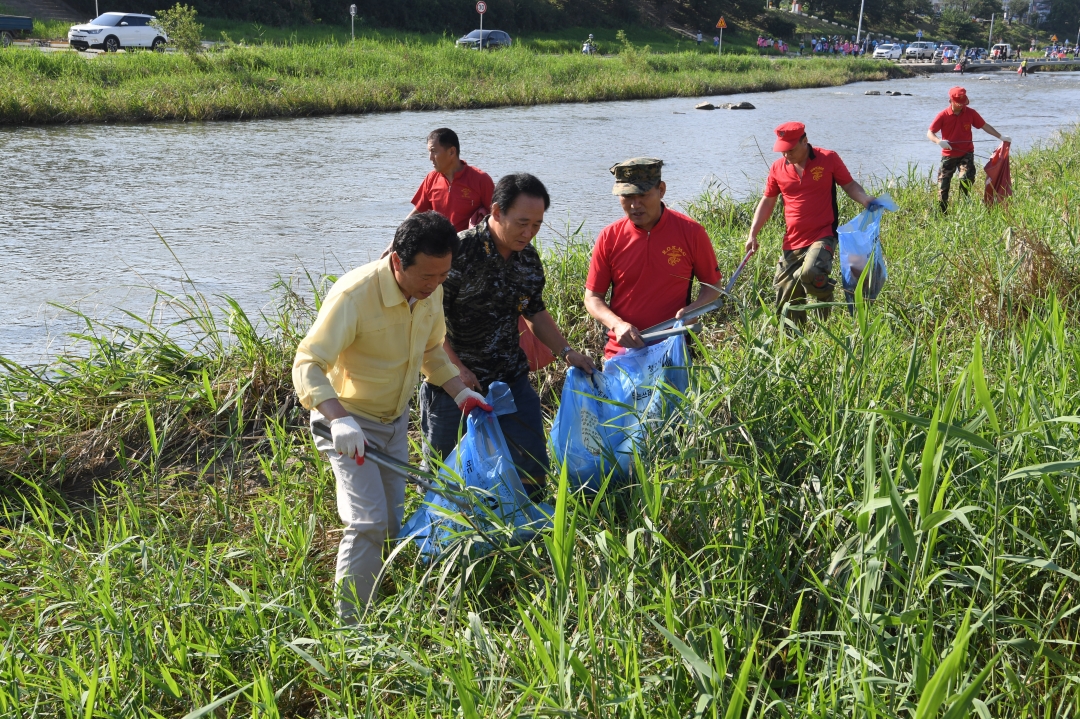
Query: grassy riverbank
x=859, y=521
x=302, y=80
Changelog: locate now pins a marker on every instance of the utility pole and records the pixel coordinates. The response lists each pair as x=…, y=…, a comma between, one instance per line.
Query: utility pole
x=990, y=40
x=858, y=33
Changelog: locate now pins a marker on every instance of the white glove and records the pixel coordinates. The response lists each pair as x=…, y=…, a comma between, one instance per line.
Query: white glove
x=467, y=400
x=348, y=437
x=944, y=145
x=1006, y=138
x=465, y=394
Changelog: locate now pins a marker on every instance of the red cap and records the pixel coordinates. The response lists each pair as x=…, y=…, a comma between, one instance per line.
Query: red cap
x=788, y=136
x=958, y=94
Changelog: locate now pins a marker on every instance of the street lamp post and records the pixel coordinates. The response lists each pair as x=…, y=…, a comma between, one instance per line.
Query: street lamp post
x=858, y=33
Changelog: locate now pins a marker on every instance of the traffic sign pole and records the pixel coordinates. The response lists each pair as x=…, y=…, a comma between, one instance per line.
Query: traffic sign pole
x=481, y=7
x=352, y=13
x=720, y=45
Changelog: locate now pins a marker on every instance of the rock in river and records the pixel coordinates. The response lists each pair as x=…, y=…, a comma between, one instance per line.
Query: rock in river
x=871, y=92
x=704, y=106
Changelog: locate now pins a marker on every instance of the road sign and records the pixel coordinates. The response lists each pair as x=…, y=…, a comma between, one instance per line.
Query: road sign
x=721, y=24
x=919, y=34
x=352, y=10
x=1053, y=38
x=481, y=7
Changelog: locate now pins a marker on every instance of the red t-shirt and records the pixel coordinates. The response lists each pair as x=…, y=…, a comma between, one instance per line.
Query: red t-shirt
x=457, y=201
x=956, y=129
x=651, y=273
x=810, y=209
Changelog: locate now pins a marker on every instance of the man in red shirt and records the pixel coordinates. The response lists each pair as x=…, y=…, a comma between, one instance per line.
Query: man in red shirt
x=455, y=190
x=648, y=260
x=955, y=123
x=807, y=178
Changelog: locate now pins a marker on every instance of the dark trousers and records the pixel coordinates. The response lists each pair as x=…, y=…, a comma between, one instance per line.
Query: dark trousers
x=442, y=425
x=805, y=272
x=949, y=167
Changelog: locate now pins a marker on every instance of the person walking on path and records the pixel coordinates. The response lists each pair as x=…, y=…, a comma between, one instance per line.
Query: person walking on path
x=957, y=150
x=648, y=260
x=454, y=189
x=357, y=367
x=807, y=178
x=496, y=278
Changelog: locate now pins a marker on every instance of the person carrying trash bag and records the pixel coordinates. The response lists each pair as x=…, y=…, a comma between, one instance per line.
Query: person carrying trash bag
x=379, y=325
x=648, y=260
x=957, y=148
x=807, y=178
x=495, y=279
x=488, y=493
x=860, y=243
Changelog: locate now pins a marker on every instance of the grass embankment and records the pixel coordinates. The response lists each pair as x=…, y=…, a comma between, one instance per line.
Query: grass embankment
x=369, y=76
x=865, y=519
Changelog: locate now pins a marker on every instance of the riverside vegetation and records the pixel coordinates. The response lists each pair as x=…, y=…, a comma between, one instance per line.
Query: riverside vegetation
x=876, y=518
x=374, y=76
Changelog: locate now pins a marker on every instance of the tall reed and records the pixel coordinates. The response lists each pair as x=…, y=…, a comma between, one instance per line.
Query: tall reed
x=876, y=517
x=374, y=76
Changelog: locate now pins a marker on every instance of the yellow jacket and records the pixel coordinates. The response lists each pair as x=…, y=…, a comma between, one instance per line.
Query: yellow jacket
x=366, y=347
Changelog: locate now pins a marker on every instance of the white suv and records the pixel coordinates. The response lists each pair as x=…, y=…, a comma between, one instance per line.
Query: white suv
x=115, y=30
x=887, y=52
x=920, y=51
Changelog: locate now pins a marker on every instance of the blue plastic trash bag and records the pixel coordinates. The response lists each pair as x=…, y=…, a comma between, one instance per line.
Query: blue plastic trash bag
x=649, y=374
x=589, y=434
x=860, y=240
x=482, y=464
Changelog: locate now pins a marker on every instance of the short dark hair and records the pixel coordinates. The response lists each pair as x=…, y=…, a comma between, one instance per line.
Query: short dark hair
x=427, y=232
x=519, y=183
x=445, y=137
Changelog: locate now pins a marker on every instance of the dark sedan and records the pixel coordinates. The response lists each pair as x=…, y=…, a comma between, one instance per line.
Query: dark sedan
x=478, y=39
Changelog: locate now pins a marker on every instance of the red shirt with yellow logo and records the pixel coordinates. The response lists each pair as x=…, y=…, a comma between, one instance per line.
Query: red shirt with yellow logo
x=810, y=209
x=457, y=201
x=650, y=273
x=956, y=129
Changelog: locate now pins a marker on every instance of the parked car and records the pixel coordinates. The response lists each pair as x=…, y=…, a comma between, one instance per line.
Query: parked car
x=115, y=30
x=976, y=53
x=887, y=52
x=490, y=39
x=1001, y=51
x=939, y=54
x=12, y=26
x=920, y=51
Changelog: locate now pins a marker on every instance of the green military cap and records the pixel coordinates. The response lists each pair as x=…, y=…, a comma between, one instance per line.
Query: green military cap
x=636, y=176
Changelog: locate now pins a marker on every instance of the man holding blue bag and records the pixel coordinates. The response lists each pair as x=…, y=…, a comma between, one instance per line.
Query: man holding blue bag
x=807, y=177
x=496, y=278
x=648, y=260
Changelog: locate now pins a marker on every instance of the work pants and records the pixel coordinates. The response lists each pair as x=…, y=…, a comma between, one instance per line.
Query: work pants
x=370, y=502
x=805, y=272
x=949, y=167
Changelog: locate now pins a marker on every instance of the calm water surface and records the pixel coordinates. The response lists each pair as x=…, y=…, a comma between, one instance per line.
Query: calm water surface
x=242, y=203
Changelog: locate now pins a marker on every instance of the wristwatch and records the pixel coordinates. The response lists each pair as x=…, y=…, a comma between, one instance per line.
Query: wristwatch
x=565, y=351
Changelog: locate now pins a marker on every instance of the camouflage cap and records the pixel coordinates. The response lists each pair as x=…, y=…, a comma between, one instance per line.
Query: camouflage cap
x=636, y=176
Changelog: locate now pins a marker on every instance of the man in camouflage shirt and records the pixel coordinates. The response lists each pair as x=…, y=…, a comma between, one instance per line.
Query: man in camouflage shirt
x=497, y=277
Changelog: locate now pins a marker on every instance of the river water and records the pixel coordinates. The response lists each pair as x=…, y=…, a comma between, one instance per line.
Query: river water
x=243, y=203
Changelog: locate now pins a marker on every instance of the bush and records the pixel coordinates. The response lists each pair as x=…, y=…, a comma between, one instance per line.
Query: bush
x=778, y=27
x=178, y=24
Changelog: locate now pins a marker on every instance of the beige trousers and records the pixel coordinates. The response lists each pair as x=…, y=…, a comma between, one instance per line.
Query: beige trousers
x=370, y=502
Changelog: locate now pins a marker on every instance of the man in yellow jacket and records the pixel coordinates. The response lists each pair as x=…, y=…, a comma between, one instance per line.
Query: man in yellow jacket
x=378, y=328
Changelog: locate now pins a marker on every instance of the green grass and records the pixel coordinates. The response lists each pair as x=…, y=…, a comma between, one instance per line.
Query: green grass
x=370, y=76
x=878, y=517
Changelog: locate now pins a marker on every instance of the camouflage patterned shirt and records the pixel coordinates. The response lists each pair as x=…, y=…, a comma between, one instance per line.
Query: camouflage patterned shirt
x=482, y=299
